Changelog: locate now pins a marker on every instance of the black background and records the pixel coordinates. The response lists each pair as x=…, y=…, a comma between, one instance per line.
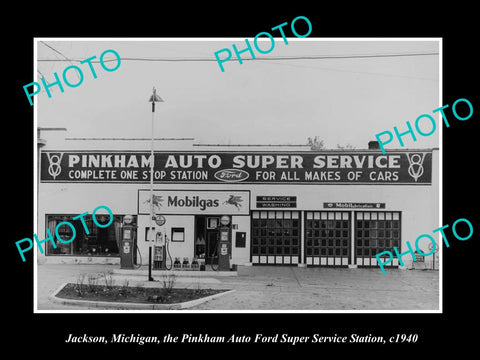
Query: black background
x=45, y=333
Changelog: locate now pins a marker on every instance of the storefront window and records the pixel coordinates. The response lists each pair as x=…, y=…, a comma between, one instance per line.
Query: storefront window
x=96, y=242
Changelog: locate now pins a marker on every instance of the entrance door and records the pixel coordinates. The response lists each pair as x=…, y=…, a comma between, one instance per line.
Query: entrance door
x=212, y=247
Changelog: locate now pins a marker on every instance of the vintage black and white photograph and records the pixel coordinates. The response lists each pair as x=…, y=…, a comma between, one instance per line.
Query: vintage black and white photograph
x=262, y=174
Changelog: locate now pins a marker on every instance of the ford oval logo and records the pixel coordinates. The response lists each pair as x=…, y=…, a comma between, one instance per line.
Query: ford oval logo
x=231, y=175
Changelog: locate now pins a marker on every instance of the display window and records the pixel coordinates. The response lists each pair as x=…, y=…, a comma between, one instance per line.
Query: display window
x=96, y=241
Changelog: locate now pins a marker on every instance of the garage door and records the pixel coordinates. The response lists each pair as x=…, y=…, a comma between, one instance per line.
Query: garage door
x=327, y=238
x=375, y=232
x=275, y=237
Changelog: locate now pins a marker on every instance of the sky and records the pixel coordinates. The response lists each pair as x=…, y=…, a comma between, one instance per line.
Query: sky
x=342, y=101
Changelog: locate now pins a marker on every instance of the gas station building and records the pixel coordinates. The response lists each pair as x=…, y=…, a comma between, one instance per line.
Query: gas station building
x=277, y=205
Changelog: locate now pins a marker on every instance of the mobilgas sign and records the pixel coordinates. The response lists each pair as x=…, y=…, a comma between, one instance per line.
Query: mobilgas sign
x=194, y=202
x=329, y=167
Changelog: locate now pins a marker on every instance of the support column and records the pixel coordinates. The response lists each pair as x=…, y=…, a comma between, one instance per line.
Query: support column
x=352, y=265
x=302, y=240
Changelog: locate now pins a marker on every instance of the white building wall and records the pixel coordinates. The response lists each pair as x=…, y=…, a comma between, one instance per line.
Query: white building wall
x=418, y=204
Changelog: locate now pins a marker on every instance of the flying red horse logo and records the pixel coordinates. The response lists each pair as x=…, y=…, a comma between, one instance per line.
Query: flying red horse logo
x=157, y=201
x=235, y=201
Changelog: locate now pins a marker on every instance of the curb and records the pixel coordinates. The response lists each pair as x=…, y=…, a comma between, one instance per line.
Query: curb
x=137, y=306
x=179, y=273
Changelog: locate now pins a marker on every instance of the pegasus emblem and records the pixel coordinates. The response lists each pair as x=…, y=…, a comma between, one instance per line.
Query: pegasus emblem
x=157, y=201
x=235, y=201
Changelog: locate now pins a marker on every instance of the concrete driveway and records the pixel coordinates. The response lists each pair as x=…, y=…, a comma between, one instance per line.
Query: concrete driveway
x=280, y=288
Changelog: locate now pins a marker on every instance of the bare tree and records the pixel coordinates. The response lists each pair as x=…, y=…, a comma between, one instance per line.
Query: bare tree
x=315, y=143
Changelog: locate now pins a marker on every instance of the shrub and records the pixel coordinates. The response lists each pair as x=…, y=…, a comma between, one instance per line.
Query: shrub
x=169, y=282
x=109, y=280
x=92, y=282
x=80, y=287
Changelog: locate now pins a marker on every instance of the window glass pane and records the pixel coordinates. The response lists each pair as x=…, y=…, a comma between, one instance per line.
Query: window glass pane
x=331, y=216
x=366, y=216
x=381, y=216
x=279, y=214
x=396, y=216
x=374, y=216
x=388, y=216
x=323, y=215
x=287, y=215
x=309, y=215
x=359, y=215
x=316, y=215
x=255, y=215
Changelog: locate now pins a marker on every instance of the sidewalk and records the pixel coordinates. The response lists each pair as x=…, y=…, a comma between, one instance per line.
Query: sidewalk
x=277, y=288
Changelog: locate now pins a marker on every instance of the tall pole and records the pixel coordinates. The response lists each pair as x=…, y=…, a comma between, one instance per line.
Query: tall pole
x=154, y=98
x=150, y=228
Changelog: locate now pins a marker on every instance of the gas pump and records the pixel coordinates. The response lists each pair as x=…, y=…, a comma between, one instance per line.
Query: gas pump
x=159, y=251
x=224, y=244
x=127, y=248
